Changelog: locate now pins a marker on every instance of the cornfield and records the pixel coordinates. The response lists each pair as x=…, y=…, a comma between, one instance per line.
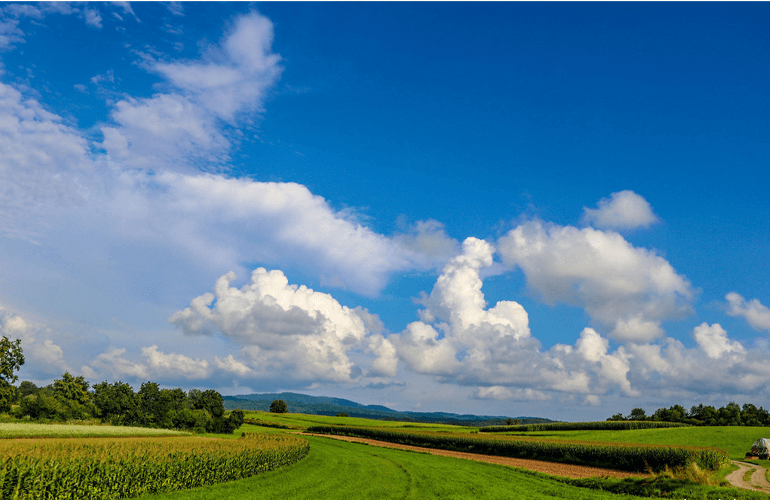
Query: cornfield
x=631, y=458
x=92, y=468
x=584, y=426
x=29, y=430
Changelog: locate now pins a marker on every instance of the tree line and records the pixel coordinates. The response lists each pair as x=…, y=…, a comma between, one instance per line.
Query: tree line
x=72, y=398
x=730, y=414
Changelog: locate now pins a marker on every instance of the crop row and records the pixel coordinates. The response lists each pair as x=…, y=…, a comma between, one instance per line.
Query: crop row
x=58, y=469
x=631, y=458
x=609, y=425
x=30, y=430
x=265, y=423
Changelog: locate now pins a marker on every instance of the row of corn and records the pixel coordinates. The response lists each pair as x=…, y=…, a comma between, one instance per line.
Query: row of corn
x=84, y=469
x=622, y=457
x=610, y=425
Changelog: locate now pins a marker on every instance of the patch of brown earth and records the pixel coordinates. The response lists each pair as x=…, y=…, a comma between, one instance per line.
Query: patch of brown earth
x=552, y=468
x=758, y=477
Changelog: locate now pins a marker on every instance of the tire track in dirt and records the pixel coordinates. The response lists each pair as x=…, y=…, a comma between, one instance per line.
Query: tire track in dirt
x=551, y=468
x=758, y=477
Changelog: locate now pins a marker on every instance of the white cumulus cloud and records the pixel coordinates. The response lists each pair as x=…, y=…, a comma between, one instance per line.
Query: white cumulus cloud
x=285, y=330
x=629, y=289
x=460, y=340
x=623, y=210
x=753, y=311
x=43, y=357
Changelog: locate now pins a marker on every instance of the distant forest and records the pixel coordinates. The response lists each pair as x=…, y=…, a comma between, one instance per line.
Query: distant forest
x=730, y=414
x=70, y=398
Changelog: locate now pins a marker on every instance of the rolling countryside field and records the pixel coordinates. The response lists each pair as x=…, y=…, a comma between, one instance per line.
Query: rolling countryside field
x=275, y=460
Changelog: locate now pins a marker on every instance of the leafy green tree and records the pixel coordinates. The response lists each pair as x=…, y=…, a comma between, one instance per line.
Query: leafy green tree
x=43, y=405
x=75, y=400
x=730, y=414
x=152, y=407
x=11, y=359
x=750, y=415
x=27, y=388
x=116, y=402
x=637, y=414
x=72, y=388
x=706, y=415
x=342, y=414
x=278, y=406
x=236, y=418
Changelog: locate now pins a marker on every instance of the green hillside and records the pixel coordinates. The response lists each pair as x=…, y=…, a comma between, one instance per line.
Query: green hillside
x=320, y=405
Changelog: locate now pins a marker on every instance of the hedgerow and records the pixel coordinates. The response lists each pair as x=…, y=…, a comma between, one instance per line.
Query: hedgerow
x=583, y=426
x=91, y=469
x=630, y=458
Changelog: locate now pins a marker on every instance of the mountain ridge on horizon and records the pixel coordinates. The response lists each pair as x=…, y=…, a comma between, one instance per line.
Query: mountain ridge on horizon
x=326, y=405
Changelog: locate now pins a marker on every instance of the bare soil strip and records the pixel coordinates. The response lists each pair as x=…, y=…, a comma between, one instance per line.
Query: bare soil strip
x=758, y=477
x=552, y=468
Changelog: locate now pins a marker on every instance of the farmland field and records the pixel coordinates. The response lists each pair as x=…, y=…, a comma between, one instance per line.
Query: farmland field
x=303, y=421
x=29, y=430
x=336, y=469
x=736, y=440
x=342, y=470
x=122, y=467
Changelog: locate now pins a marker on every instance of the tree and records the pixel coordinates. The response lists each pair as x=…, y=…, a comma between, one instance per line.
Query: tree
x=278, y=406
x=236, y=418
x=116, y=402
x=11, y=359
x=637, y=414
x=152, y=407
x=730, y=414
x=705, y=414
x=72, y=393
x=26, y=388
x=342, y=414
x=72, y=388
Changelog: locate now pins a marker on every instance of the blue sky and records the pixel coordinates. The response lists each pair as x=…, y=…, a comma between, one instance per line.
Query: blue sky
x=552, y=209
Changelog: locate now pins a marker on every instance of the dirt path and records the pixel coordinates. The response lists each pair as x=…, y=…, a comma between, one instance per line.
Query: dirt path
x=552, y=468
x=758, y=477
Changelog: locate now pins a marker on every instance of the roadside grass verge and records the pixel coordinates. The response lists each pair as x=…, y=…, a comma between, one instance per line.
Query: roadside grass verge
x=341, y=470
x=29, y=430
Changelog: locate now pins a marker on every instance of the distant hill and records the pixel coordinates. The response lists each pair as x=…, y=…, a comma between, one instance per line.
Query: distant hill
x=322, y=405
